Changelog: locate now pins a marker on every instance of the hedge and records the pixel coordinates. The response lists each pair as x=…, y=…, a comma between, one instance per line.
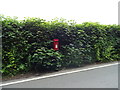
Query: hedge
x=27, y=44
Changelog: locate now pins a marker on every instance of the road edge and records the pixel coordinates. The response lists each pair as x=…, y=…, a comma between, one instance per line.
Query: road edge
x=59, y=74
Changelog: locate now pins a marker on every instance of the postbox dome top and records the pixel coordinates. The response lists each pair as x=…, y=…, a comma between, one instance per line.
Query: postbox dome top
x=55, y=39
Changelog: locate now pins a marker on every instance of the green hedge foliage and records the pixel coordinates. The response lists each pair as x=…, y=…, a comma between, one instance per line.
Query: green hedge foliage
x=27, y=44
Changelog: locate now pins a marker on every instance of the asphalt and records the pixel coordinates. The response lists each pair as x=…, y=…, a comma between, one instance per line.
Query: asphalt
x=106, y=77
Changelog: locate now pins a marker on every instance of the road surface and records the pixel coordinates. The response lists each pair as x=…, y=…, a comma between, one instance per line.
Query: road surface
x=105, y=77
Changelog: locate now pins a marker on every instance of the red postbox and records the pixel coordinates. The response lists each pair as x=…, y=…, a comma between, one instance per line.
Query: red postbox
x=56, y=44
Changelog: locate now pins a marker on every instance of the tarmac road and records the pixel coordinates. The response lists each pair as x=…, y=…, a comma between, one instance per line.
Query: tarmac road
x=105, y=77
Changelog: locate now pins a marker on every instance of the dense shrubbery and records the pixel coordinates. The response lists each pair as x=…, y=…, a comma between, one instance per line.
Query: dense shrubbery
x=27, y=44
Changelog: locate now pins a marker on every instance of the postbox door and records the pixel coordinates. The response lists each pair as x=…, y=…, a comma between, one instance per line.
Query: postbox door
x=56, y=45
